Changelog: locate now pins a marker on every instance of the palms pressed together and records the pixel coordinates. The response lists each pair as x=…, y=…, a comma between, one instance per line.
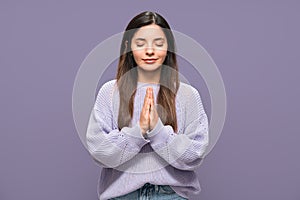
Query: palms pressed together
x=149, y=115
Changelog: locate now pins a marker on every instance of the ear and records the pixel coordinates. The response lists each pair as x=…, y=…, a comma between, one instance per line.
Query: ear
x=126, y=44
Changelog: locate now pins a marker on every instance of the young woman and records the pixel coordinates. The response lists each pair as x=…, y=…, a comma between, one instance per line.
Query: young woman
x=148, y=130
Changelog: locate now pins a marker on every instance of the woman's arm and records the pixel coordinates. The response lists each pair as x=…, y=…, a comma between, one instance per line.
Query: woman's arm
x=109, y=146
x=186, y=149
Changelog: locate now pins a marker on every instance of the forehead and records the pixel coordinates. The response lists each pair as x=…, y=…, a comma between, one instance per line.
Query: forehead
x=149, y=32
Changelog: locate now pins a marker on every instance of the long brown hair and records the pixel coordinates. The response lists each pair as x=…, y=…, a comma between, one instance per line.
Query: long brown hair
x=127, y=73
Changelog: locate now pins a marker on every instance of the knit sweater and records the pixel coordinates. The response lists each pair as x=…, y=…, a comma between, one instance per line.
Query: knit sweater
x=164, y=157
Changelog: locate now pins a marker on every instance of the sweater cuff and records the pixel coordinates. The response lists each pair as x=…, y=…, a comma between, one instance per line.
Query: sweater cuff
x=135, y=135
x=157, y=136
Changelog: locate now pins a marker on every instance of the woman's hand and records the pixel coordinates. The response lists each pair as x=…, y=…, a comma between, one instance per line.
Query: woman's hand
x=149, y=116
x=153, y=111
x=145, y=114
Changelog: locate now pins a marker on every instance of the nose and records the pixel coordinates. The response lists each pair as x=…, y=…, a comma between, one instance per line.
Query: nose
x=149, y=51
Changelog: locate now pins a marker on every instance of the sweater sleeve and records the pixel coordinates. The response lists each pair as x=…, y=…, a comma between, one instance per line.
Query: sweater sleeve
x=109, y=146
x=184, y=150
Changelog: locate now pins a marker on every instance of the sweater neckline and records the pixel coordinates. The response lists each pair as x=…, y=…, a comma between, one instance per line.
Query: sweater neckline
x=148, y=84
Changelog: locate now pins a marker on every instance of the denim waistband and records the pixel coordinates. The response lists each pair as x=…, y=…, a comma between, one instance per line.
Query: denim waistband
x=152, y=192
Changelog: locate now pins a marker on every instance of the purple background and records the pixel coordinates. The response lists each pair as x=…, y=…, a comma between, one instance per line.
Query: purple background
x=255, y=44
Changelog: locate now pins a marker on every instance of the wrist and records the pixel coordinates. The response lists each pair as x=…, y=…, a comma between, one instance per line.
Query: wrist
x=153, y=125
x=144, y=132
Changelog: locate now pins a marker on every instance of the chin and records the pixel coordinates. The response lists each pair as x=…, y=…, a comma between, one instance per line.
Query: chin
x=149, y=68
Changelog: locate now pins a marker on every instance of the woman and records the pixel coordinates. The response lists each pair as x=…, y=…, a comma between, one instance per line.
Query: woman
x=147, y=129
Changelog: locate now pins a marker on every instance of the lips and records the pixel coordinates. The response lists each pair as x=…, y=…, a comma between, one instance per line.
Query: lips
x=150, y=60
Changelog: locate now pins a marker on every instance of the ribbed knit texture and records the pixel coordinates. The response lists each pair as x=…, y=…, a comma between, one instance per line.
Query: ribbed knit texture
x=163, y=158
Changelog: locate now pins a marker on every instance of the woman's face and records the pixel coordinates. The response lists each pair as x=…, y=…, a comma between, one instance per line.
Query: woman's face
x=149, y=47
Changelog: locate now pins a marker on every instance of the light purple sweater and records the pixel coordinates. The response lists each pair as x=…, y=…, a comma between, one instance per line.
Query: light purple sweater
x=162, y=158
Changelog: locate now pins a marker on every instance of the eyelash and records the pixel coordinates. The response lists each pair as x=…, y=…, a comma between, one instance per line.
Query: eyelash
x=159, y=45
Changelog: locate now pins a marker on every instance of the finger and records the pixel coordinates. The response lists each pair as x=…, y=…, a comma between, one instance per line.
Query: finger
x=152, y=98
x=149, y=91
x=148, y=120
x=145, y=105
x=152, y=102
x=145, y=115
x=145, y=98
x=149, y=105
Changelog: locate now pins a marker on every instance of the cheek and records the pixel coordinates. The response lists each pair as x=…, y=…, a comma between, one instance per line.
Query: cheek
x=137, y=55
x=162, y=54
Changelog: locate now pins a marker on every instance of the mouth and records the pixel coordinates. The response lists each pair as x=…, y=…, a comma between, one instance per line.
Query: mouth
x=150, y=60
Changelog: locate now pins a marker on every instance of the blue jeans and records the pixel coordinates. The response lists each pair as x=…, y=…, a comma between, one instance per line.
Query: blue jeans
x=151, y=192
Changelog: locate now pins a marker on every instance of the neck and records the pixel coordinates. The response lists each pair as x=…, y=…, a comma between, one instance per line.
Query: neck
x=149, y=76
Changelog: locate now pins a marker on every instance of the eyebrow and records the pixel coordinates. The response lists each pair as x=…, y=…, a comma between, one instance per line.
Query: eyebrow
x=143, y=39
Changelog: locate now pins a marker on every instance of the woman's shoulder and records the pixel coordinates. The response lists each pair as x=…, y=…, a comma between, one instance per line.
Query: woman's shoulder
x=187, y=90
x=108, y=86
x=107, y=89
x=188, y=94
